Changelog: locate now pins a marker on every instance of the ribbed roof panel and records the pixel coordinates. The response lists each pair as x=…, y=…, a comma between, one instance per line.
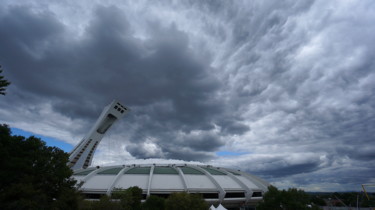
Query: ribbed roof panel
x=167, y=179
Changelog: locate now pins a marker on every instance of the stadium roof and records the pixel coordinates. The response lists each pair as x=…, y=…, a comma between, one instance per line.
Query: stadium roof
x=215, y=184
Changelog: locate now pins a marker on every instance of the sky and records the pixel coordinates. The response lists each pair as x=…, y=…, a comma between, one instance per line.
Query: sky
x=284, y=90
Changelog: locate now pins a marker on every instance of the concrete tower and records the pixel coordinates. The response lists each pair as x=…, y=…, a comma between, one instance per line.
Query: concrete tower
x=82, y=154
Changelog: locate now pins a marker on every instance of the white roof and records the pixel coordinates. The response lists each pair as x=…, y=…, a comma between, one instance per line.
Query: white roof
x=213, y=183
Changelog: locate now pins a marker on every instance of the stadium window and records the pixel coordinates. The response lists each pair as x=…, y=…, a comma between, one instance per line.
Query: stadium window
x=235, y=195
x=257, y=194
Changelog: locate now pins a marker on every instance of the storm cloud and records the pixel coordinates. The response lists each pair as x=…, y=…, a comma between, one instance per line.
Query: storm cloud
x=287, y=88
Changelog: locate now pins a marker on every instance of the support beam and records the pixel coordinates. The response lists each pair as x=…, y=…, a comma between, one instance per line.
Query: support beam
x=182, y=176
x=248, y=191
x=118, y=176
x=218, y=187
x=150, y=181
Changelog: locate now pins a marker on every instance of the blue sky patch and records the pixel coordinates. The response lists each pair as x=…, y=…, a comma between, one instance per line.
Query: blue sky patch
x=49, y=141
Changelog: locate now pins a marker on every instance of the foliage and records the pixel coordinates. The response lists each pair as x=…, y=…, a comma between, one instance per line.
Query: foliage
x=288, y=200
x=124, y=199
x=129, y=198
x=350, y=199
x=33, y=175
x=104, y=203
x=3, y=83
x=154, y=203
x=367, y=202
x=317, y=200
x=342, y=199
x=185, y=201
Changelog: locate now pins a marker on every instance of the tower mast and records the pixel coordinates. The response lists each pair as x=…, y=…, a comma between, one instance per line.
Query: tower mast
x=82, y=154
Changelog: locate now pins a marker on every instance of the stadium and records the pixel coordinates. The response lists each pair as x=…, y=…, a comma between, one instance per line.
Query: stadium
x=231, y=188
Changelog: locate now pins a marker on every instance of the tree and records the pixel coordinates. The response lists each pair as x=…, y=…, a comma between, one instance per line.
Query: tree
x=33, y=175
x=368, y=202
x=105, y=203
x=317, y=200
x=154, y=203
x=130, y=198
x=285, y=200
x=185, y=201
x=3, y=83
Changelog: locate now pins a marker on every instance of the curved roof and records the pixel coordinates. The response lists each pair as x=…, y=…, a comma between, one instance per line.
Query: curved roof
x=213, y=183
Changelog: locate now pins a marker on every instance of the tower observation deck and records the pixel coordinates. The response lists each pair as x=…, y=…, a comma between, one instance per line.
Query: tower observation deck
x=81, y=156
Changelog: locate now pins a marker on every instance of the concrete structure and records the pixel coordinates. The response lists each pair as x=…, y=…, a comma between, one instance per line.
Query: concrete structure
x=229, y=187
x=217, y=185
x=82, y=154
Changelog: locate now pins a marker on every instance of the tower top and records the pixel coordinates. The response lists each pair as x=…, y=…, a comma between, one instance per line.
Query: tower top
x=82, y=154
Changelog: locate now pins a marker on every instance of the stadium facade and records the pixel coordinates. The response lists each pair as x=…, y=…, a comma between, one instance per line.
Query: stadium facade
x=231, y=188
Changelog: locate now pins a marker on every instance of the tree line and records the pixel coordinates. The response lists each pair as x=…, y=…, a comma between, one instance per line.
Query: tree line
x=130, y=199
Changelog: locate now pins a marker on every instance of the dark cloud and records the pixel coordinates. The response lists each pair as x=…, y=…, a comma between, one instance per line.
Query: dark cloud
x=292, y=83
x=288, y=170
x=187, y=154
x=332, y=179
x=109, y=62
x=279, y=165
x=357, y=152
x=233, y=127
x=202, y=142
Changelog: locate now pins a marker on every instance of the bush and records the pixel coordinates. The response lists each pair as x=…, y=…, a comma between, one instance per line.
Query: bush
x=154, y=203
x=130, y=198
x=285, y=200
x=185, y=201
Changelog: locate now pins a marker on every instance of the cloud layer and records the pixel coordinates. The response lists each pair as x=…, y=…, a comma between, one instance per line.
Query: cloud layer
x=288, y=86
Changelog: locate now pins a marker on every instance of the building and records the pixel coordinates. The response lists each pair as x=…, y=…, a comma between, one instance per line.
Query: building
x=231, y=188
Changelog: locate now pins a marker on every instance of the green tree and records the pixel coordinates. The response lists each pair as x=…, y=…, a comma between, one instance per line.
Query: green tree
x=106, y=203
x=317, y=200
x=368, y=202
x=154, y=203
x=185, y=201
x=3, y=83
x=349, y=198
x=285, y=200
x=130, y=198
x=33, y=175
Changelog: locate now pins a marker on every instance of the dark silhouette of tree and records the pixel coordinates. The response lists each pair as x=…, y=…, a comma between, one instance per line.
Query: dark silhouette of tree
x=105, y=202
x=154, y=203
x=33, y=175
x=185, y=201
x=317, y=200
x=3, y=83
x=290, y=199
x=130, y=198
